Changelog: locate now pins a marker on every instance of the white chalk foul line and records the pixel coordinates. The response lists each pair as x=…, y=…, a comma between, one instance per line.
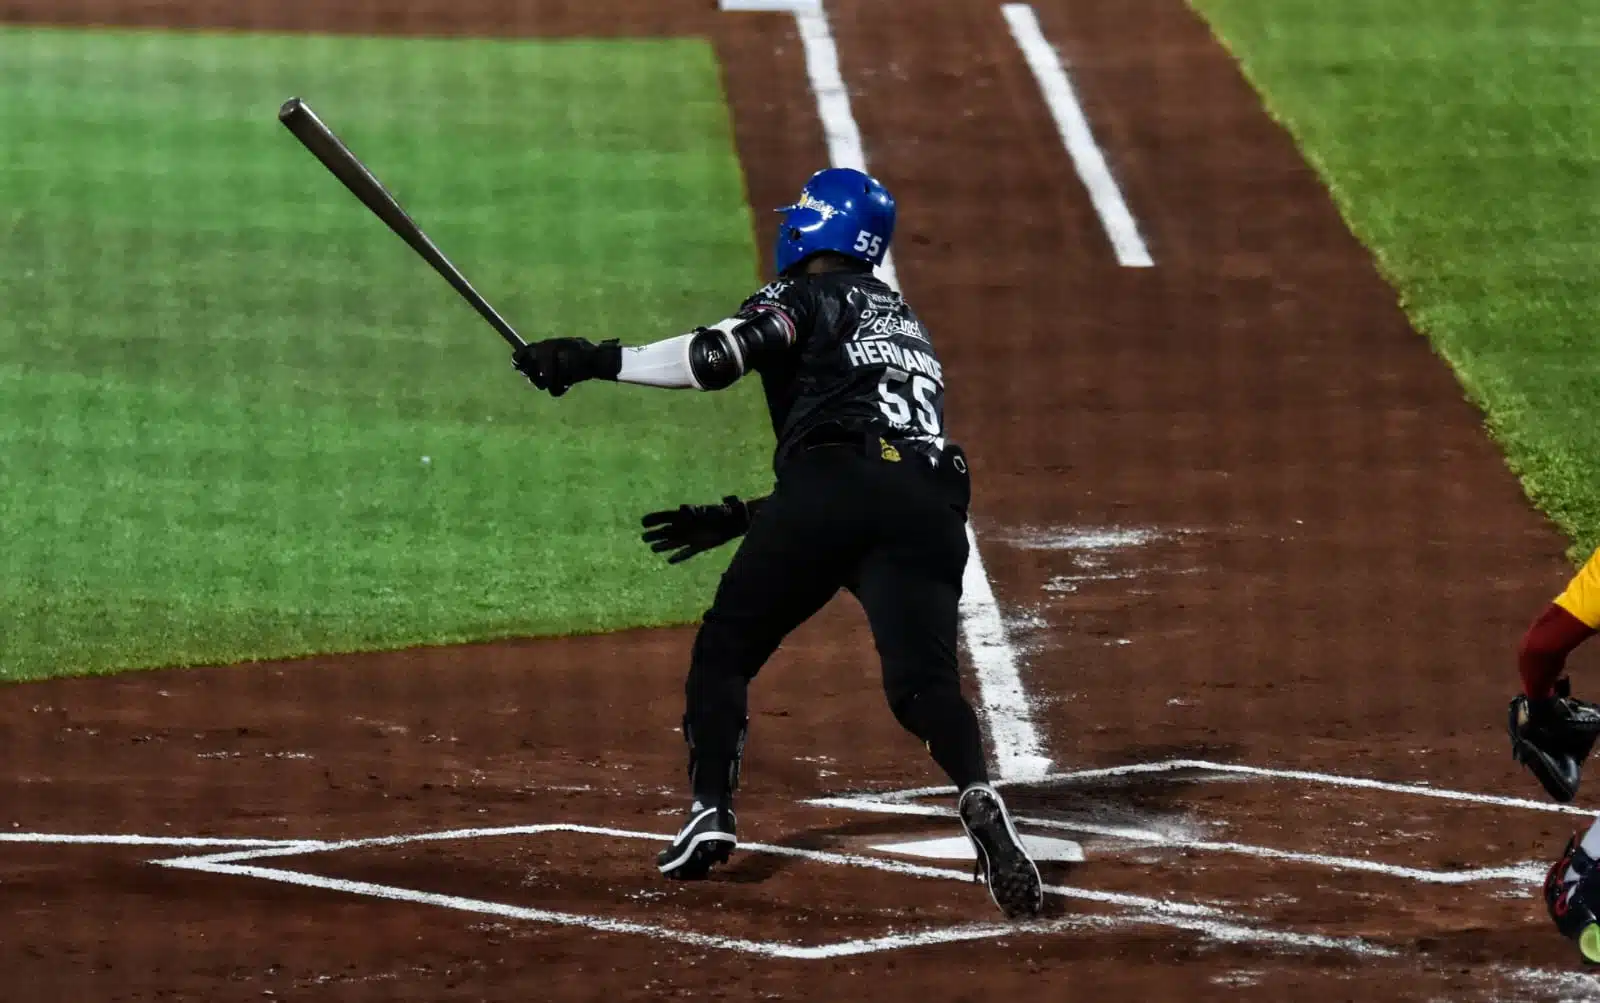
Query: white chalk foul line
x=116, y=839
x=1018, y=749
x=1019, y=752
x=839, y=128
x=781, y=6
x=1049, y=69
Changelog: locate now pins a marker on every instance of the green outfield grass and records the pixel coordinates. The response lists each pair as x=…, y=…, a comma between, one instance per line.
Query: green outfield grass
x=242, y=420
x=1461, y=139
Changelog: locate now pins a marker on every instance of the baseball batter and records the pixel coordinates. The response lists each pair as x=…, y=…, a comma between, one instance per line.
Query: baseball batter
x=1552, y=734
x=870, y=497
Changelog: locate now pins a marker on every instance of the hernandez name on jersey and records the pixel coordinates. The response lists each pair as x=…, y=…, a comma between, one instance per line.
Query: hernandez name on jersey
x=861, y=360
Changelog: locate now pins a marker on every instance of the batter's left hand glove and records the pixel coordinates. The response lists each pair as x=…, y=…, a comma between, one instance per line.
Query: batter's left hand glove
x=556, y=364
x=694, y=529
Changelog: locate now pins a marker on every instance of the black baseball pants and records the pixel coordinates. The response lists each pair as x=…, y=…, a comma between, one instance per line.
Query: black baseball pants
x=892, y=532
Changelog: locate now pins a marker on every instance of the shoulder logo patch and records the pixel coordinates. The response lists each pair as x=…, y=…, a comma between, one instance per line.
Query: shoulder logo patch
x=772, y=290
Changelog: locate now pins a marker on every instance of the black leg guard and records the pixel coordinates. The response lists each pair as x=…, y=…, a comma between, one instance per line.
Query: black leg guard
x=716, y=713
x=1574, y=903
x=714, y=767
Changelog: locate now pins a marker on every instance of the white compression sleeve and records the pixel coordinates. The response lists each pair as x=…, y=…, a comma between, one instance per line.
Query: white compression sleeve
x=666, y=363
x=1591, y=846
x=663, y=364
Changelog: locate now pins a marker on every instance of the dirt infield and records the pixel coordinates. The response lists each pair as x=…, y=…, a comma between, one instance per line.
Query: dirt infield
x=1236, y=511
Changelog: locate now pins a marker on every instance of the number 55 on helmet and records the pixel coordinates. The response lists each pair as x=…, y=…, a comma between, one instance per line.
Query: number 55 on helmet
x=840, y=210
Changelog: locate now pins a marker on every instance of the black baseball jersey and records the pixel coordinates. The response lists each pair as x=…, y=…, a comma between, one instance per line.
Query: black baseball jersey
x=858, y=359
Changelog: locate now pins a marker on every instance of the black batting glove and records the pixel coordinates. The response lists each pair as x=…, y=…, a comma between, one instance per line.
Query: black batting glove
x=556, y=364
x=694, y=529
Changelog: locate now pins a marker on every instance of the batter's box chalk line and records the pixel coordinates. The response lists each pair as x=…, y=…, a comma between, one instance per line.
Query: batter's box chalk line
x=905, y=802
x=244, y=857
x=247, y=858
x=1139, y=910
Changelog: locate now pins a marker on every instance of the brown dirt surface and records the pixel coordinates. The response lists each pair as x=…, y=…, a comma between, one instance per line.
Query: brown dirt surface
x=1235, y=509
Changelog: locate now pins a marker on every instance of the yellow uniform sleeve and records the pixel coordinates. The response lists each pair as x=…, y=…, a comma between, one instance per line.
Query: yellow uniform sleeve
x=1582, y=597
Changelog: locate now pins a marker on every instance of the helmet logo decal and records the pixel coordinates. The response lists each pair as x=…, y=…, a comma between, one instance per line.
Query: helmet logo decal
x=823, y=209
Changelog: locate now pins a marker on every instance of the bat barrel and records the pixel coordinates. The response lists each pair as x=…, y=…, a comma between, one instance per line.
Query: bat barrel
x=316, y=137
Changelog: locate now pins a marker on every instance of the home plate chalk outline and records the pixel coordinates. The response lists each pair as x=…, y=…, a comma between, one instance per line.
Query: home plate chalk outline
x=246, y=857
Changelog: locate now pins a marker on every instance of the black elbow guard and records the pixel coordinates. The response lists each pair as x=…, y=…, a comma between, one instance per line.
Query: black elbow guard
x=720, y=355
x=715, y=359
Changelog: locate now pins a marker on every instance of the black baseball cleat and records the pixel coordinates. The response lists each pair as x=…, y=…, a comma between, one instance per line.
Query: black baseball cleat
x=1003, y=863
x=1573, y=899
x=1553, y=737
x=705, y=841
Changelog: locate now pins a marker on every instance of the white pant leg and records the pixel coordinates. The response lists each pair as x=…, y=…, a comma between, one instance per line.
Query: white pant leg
x=1591, y=846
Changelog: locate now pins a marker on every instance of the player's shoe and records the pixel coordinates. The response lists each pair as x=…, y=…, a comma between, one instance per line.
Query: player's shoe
x=1003, y=863
x=705, y=841
x=1572, y=894
x=1553, y=737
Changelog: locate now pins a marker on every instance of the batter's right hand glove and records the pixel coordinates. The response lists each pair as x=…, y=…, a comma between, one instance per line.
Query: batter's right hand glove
x=1553, y=737
x=694, y=529
x=556, y=364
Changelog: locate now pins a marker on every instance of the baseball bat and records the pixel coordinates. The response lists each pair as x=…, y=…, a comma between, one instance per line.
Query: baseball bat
x=299, y=119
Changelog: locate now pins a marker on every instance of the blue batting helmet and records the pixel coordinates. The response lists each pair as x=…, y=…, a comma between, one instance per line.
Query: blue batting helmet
x=840, y=210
